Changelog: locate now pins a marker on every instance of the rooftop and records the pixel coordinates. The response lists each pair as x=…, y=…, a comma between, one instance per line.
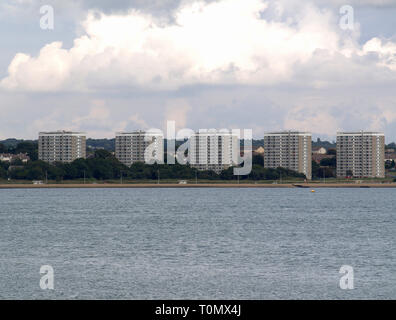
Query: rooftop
x=360, y=133
x=294, y=133
x=60, y=132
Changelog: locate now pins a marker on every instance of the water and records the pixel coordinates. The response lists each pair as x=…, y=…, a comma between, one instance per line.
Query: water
x=197, y=243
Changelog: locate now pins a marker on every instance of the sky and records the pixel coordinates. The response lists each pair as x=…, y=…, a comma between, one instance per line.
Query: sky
x=110, y=66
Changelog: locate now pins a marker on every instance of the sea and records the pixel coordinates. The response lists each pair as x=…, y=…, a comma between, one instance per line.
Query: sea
x=209, y=243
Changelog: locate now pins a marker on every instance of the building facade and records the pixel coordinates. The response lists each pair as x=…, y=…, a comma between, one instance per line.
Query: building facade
x=361, y=154
x=130, y=147
x=290, y=150
x=61, y=146
x=213, y=150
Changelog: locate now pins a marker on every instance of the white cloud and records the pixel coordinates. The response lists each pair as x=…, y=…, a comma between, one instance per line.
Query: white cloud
x=266, y=65
x=224, y=42
x=377, y=3
x=386, y=50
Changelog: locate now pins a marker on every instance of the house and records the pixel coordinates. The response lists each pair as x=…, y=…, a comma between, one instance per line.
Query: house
x=8, y=157
x=5, y=157
x=319, y=150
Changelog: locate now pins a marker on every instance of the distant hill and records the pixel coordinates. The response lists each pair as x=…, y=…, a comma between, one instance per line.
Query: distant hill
x=324, y=144
x=107, y=144
x=12, y=142
x=391, y=146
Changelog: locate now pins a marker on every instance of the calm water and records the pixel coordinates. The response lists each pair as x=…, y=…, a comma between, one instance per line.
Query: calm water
x=197, y=243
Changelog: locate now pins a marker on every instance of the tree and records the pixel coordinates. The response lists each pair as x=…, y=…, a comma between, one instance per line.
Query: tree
x=3, y=148
x=3, y=173
x=325, y=172
x=35, y=173
x=332, y=151
x=103, y=154
x=315, y=170
x=390, y=164
x=258, y=159
x=391, y=146
x=329, y=162
x=31, y=148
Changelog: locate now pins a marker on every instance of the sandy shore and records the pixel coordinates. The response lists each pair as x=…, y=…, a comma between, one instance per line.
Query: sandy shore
x=203, y=185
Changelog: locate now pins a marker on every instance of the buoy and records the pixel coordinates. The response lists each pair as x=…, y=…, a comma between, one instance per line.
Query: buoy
x=312, y=190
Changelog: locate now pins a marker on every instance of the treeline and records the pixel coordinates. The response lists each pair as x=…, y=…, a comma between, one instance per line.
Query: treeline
x=326, y=168
x=107, y=144
x=104, y=166
x=28, y=147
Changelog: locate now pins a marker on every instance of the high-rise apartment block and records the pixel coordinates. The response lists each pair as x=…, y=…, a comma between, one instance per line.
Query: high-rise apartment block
x=361, y=154
x=61, y=146
x=139, y=146
x=213, y=150
x=290, y=150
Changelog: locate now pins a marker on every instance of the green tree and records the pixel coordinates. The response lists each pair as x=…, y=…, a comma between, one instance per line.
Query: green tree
x=325, y=172
x=315, y=170
x=329, y=162
x=390, y=164
x=31, y=148
x=3, y=173
x=258, y=159
x=3, y=148
x=35, y=173
x=332, y=152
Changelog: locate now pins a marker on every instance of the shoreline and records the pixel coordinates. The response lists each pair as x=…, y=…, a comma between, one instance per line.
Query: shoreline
x=199, y=185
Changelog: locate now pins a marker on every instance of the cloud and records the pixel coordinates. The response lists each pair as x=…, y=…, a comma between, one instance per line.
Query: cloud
x=265, y=65
x=311, y=119
x=135, y=119
x=376, y=3
x=98, y=113
x=386, y=51
x=223, y=42
x=177, y=110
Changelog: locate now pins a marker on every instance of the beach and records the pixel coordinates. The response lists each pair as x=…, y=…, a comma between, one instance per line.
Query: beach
x=199, y=185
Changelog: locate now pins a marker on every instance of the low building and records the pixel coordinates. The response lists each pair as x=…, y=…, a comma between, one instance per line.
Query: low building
x=8, y=157
x=319, y=150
